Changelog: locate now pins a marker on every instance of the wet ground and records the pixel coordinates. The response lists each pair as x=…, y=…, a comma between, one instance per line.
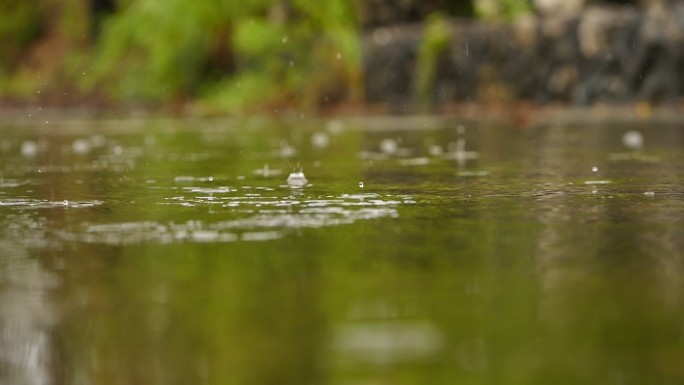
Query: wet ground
x=404, y=250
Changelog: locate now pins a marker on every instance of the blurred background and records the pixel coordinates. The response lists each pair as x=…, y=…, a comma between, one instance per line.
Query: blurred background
x=222, y=56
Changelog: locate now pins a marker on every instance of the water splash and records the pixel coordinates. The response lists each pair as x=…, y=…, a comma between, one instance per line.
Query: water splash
x=297, y=179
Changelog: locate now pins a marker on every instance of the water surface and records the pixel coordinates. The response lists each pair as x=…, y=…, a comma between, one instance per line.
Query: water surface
x=418, y=251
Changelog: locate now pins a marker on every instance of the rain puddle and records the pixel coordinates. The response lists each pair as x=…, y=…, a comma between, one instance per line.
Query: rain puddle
x=383, y=250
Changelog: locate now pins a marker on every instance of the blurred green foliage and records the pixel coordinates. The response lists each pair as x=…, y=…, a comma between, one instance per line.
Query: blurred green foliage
x=502, y=9
x=435, y=44
x=18, y=29
x=227, y=53
x=219, y=55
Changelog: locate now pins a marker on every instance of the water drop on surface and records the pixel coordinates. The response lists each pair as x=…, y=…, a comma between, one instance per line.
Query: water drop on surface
x=80, y=146
x=389, y=146
x=320, y=140
x=296, y=179
x=29, y=149
x=633, y=139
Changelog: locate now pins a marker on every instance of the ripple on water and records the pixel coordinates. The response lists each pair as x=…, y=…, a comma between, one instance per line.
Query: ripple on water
x=45, y=204
x=247, y=217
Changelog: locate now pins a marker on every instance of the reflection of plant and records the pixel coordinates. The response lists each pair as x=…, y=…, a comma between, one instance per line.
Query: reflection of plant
x=227, y=52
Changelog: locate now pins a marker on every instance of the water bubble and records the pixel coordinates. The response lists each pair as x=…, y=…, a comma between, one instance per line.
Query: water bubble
x=460, y=129
x=320, y=140
x=389, y=146
x=594, y=169
x=435, y=150
x=361, y=184
x=29, y=149
x=80, y=146
x=98, y=141
x=286, y=150
x=633, y=139
x=335, y=126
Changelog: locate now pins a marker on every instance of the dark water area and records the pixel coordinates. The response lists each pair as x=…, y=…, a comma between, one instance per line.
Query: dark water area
x=418, y=251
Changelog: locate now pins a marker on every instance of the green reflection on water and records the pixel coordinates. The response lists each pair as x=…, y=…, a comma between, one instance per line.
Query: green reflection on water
x=175, y=260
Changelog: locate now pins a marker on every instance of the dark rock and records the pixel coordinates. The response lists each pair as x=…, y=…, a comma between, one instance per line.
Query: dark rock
x=601, y=54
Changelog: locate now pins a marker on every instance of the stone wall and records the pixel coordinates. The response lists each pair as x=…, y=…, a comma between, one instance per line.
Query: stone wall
x=599, y=53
